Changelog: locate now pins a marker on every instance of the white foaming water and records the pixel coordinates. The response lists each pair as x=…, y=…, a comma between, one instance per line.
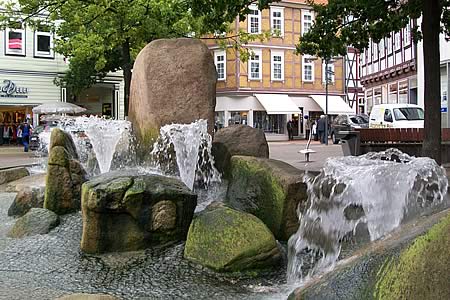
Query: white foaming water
x=191, y=144
x=102, y=136
x=370, y=189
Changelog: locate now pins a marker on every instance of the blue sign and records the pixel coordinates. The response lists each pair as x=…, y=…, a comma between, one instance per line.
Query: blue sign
x=443, y=109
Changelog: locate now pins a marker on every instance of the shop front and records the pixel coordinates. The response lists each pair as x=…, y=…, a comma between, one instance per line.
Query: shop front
x=271, y=112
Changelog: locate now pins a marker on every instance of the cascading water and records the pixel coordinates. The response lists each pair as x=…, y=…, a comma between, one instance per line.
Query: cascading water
x=191, y=145
x=375, y=191
x=104, y=136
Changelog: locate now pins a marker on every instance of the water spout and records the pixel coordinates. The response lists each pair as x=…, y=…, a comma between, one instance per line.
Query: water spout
x=375, y=191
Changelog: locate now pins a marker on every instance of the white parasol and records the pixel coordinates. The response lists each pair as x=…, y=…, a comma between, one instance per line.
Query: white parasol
x=56, y=107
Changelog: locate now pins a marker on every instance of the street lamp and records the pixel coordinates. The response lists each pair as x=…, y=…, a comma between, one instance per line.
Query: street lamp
x=328, y=77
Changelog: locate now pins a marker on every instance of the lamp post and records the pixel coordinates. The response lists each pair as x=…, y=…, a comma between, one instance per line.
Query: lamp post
x=328, y=74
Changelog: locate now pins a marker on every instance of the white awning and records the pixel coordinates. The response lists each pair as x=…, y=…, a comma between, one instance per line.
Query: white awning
x=336, y=105
x=277, y=104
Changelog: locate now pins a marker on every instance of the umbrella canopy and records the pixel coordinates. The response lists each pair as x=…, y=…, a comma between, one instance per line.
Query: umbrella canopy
x=58, y=108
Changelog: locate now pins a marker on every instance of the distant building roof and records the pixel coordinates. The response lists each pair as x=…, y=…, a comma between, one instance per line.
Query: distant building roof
x=305, y=1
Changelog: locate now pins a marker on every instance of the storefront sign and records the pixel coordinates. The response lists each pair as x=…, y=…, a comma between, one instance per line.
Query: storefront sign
x=10, y=90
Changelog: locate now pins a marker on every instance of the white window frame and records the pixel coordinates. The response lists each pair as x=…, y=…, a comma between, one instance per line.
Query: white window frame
x=407, y=35
x=249, y=21
x=223, y=53
x=382, y=48
x=305, y=64
x=8, y=51
x=397, y=41
x=375, y=51
x=306, y=13
x=274, y=53
x=37, y=53
x=331, y=67
x=253, y=53
x=390, y=44
x=274, y=9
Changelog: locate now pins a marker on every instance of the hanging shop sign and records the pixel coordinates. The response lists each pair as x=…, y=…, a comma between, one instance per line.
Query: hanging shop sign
x=10, y=90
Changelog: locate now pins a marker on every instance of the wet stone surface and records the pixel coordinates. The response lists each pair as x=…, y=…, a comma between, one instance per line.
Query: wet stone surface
x=50, y=266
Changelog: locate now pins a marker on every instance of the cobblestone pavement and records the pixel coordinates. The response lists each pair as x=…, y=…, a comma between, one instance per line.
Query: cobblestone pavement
x=51, y=265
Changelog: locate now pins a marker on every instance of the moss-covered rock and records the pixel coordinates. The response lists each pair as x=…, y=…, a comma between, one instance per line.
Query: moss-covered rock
x=269, y=189
x=125, y=211
x=238, y=140
x=36, y=221
x=82, y=296
x=413, y=263
x=63, y=139
x=422, y=271
x=65, y=175
x=227, y=240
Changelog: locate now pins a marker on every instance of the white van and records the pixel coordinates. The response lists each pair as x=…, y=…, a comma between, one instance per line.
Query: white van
x=396, y=116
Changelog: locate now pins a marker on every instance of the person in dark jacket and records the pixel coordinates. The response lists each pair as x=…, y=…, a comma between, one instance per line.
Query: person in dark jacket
x=289, y=130
x=321, y=129
x=26, y=132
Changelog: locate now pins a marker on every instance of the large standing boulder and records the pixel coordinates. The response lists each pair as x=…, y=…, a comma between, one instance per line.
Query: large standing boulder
x=238, y=140
x=36, y=221
x=65, y=175
x=269, y=189
x=123, y=211
x=227, y=240
x=174, y=81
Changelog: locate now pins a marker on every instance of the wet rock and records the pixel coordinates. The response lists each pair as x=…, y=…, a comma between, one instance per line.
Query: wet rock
x=63, y=182
x=65, y=175
x=157, y=95
x=27, y=199
x=413, y=263
x=124, y=211
x=269, y=189
x=63, y=139
x=30, y=193
x=81, y=296
x=12, y=174
x=238, y=140
x=225, y=240
x=36, y=221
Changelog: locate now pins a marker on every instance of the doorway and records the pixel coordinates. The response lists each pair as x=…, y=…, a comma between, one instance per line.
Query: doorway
x=297, y=120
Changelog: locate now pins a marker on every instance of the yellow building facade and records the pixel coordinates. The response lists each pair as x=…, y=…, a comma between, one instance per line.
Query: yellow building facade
x=275, y=85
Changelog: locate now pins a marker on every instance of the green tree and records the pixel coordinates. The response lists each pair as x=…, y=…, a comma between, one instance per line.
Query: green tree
x=354, y=22
x=100, y=36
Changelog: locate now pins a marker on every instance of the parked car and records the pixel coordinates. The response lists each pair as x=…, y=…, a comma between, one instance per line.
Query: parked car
x=396, y=116
x=347, y=122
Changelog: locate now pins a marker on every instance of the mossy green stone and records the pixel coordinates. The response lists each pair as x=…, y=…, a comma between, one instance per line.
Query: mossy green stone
x=422, y=271
x=58, y=156
x=224, y=239
x=255, y=190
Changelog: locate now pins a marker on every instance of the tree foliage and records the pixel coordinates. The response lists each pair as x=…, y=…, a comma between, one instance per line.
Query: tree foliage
x=343, y=23
x=101, y=36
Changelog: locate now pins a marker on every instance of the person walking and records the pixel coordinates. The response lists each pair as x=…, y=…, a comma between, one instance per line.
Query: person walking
x=321, y=129
x=289, y=130
x=307, y=127
x=26, y=131
x=19, y=135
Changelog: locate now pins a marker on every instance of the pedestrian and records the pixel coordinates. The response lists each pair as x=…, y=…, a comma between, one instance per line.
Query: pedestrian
x=19, y=135
x=321, y=129
x=26, y=131
x=314, y=130
x=289, y=130
x=307, y=127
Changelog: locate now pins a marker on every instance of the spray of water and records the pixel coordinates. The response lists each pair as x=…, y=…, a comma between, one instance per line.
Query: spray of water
x=375, y=191
x=188, y=146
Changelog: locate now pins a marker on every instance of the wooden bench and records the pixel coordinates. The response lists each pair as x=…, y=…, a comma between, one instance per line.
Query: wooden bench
x=396, y=135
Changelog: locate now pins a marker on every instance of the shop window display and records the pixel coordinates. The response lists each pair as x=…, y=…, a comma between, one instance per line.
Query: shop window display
x=269, y=123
